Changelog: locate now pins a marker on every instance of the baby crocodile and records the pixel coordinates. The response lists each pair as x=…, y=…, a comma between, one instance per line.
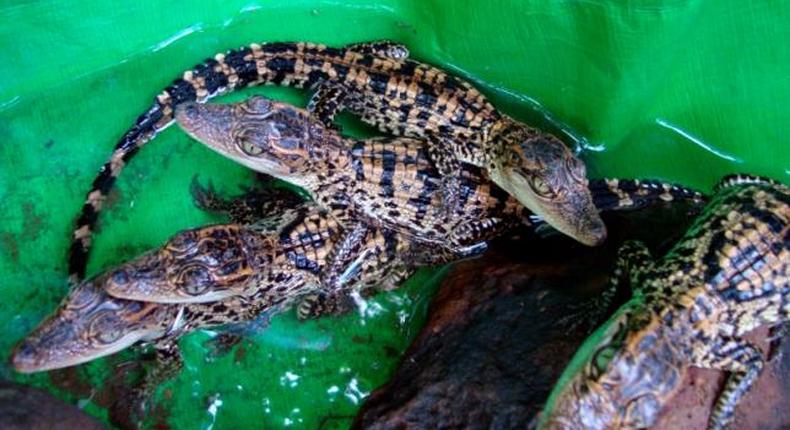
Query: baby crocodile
x=400, y=96
x=725, y=277
x=381, y=181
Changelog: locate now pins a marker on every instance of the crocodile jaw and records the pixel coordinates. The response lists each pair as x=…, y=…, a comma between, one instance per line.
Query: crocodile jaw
x=165, y=295
x=30, y=358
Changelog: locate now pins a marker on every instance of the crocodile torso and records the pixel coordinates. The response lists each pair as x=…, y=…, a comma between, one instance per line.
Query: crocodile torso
x=397, y=95
x=725, y=277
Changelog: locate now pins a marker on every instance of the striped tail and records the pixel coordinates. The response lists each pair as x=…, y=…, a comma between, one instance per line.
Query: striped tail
x=618, y=194
x=742, y=179
x=297, y=65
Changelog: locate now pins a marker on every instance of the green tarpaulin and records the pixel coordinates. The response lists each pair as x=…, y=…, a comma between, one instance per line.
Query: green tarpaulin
x=681, y=90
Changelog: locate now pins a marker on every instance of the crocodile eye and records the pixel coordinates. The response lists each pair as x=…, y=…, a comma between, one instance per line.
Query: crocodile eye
x=249, y=147
x=105, y=327
x=182, y=241
x=110, y=336
x=540, y=187
x=81, y=297
x=259, y=104
x=576, y=169
x=194, y=280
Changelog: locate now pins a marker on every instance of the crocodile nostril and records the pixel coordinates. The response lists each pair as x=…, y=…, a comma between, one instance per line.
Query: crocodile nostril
x=188, y=111
x=24, y=354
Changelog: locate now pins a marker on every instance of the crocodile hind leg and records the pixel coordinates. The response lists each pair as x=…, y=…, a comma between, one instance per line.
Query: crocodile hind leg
x=471, y=238
x=340, y=302
x=396, y=278
x=448, y=166
x=326, y=102
x=329, y=99
x=206, y=197
x=166, y=364
x=346, y=258
x=324, y=303
x=234, y=333
x=632, y=261
x=743, y=361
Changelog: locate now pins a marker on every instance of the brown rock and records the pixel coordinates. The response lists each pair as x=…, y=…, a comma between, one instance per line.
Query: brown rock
x=27, y=408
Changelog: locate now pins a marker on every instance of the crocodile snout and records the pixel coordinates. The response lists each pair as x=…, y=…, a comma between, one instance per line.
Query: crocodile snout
x=188, y=111
x=24, y=357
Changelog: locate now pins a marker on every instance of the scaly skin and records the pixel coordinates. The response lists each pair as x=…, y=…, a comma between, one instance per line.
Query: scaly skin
x=725, y=277
x=303, y=239
x=222, y=274
x=608, y=195
x=397, y=95
x=611, y=194
x=382, y=181
x=248, y=269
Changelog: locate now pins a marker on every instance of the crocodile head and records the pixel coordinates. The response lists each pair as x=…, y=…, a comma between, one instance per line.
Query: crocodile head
x=621, y=376
x=543, y=174
x=90, y=324
x=198, y=265
x=265, y=135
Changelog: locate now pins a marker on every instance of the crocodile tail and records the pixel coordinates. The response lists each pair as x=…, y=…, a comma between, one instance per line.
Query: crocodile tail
x=283, y=63
x=742, y=179
x=617, y=194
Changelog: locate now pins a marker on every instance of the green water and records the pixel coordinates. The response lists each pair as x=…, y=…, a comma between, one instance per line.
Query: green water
x=682, y=90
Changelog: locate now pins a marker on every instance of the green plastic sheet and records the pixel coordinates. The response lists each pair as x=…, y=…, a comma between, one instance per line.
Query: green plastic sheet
x=682, y=90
